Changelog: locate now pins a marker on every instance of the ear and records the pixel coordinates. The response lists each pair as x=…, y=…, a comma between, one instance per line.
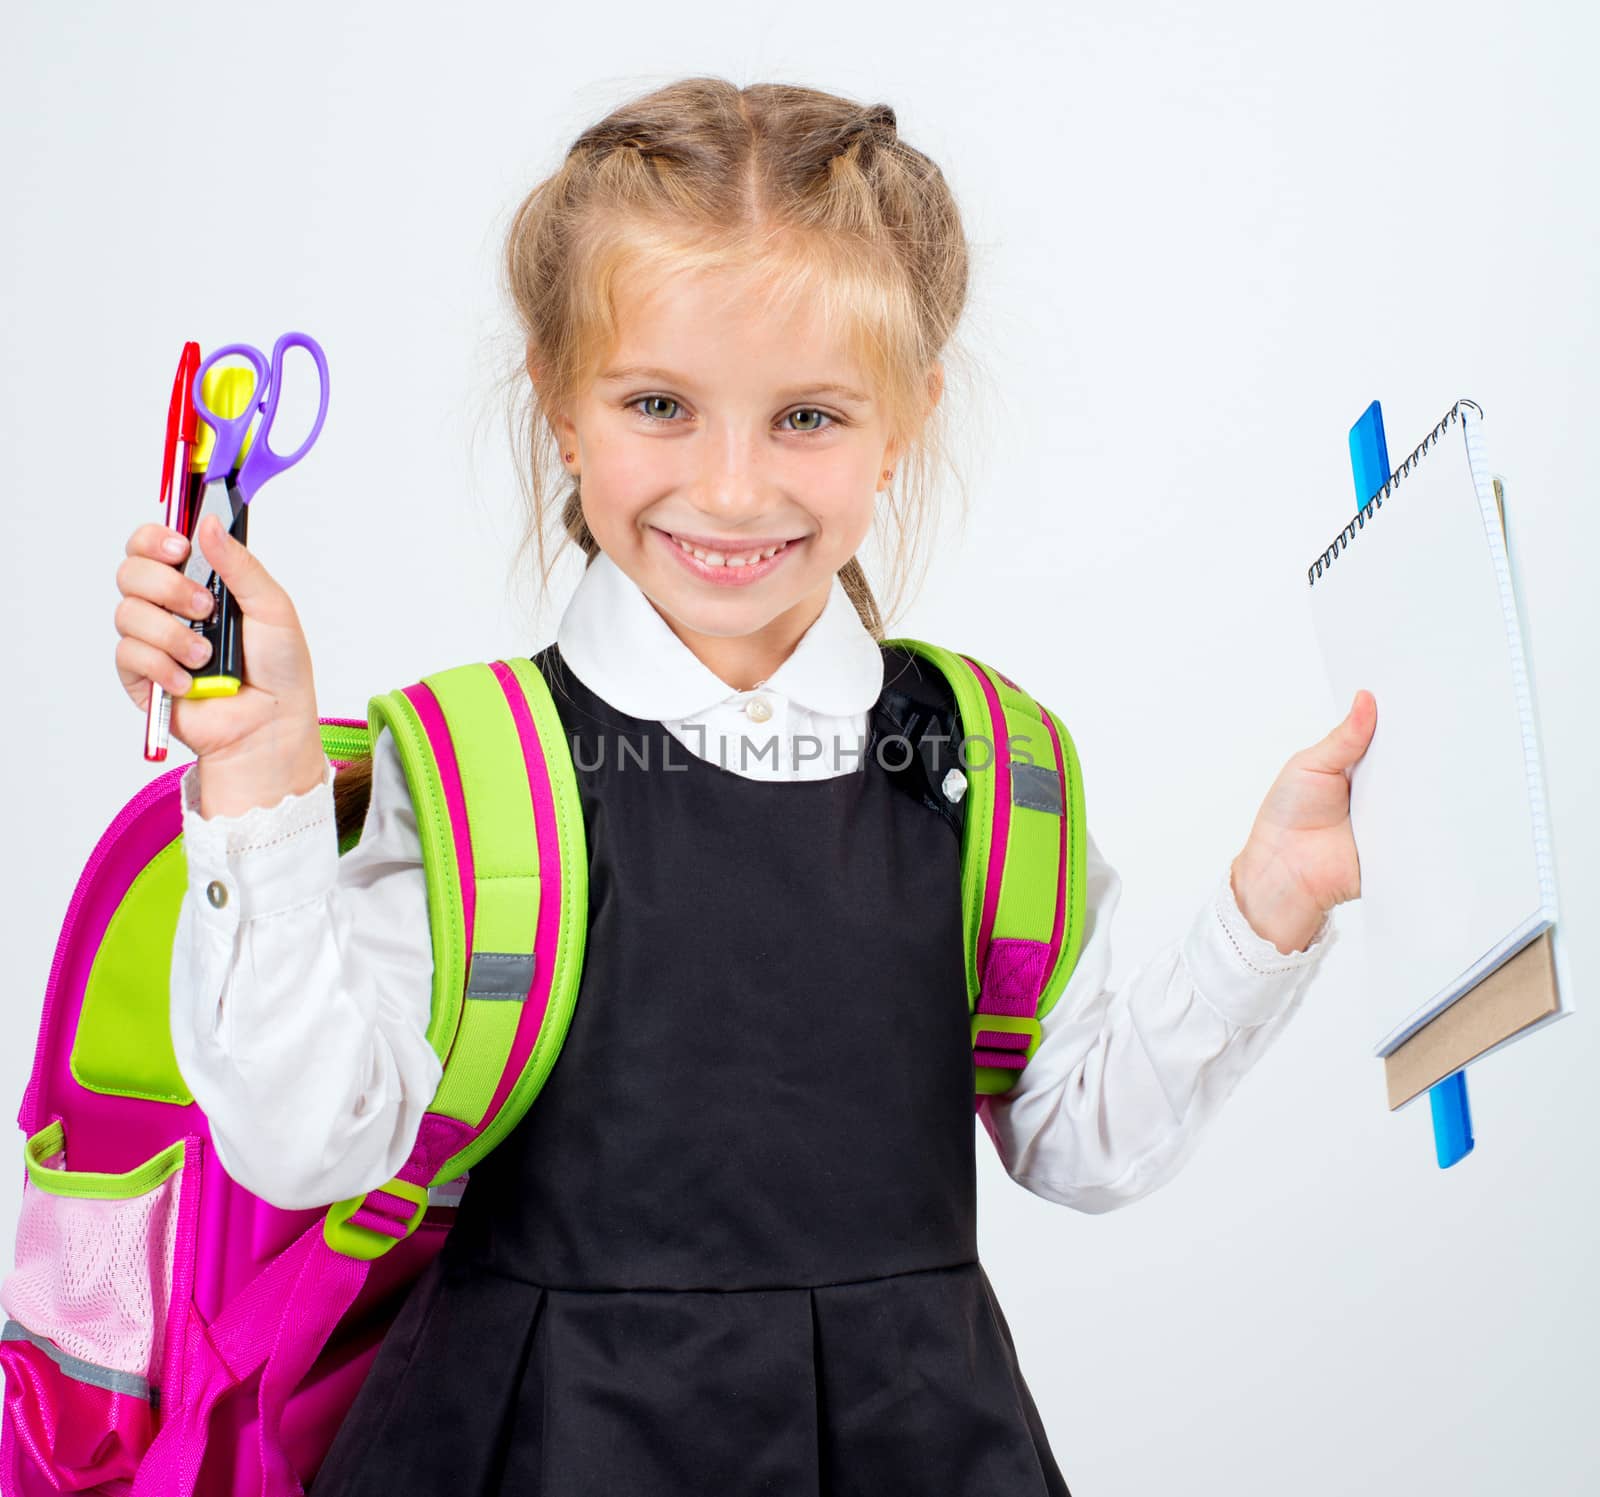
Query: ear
x=898, y=443
x=560, y=427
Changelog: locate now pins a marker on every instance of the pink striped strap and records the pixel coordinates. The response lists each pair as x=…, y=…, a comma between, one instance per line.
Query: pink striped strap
x=1013, y=970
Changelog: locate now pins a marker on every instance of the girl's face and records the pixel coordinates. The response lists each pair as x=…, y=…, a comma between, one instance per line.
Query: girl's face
x=721, y=429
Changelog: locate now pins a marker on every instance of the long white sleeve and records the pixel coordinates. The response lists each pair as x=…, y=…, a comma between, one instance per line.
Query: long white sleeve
x=301, y=989
x=300, y=1008
x=1122, y=1082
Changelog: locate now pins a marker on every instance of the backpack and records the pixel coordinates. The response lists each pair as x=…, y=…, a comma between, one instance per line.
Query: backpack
x=165, y=1331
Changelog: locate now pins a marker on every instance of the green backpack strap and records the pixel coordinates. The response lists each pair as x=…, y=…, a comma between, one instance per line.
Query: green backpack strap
x=501, y=825
x=1023, y=852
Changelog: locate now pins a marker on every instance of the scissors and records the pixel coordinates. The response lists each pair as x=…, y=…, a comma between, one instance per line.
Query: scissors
x=232, y=478
x=227, y=491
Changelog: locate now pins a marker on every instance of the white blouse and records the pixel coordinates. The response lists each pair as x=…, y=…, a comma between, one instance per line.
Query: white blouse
x=301, y=981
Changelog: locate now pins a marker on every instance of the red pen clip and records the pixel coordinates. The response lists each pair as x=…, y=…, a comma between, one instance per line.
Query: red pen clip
x=180, y=418
x=173, y=498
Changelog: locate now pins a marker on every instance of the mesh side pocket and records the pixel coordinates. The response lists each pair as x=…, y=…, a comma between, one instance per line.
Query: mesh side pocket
x=85, y=1315
x=94, y=1269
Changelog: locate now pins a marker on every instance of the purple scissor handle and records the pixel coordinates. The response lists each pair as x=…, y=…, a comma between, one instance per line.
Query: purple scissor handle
x=262, y=463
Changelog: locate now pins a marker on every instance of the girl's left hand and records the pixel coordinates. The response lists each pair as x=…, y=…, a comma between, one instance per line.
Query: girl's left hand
x=1301, y=858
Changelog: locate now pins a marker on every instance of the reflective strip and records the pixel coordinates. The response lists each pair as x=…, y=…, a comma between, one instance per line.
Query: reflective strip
x=500, y=974
x=76, y=1368
x=1037, y=786
x=448, y=1194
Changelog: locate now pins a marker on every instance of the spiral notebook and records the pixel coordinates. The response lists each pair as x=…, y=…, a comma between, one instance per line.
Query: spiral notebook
x=1417, y=601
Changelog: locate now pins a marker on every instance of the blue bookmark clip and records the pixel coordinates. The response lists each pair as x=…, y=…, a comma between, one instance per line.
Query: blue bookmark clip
x=1452, y=1120
x=1369, y=454
x=1452, y=1116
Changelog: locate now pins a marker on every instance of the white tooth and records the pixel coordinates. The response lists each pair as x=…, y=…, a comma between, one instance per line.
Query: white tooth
x=721, y=558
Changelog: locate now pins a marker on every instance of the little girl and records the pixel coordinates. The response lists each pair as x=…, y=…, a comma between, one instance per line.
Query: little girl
x=732, y=1246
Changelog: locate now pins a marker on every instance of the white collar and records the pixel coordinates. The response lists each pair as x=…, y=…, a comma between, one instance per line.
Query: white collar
x=627, y=654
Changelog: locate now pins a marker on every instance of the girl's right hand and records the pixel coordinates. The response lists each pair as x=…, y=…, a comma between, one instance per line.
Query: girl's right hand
x=262, y=743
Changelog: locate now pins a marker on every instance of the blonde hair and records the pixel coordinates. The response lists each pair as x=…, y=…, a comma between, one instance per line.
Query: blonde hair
x=816, y=194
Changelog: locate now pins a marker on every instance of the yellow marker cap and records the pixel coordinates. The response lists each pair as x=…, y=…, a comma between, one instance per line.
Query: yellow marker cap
x=212, y=686
x=227, y=392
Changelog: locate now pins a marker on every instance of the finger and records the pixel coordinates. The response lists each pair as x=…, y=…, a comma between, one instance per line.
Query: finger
x=137, y=618
x=1348, y=741
x=136, y=658
x=159, y=541
x=140, y=577
x=239, y=568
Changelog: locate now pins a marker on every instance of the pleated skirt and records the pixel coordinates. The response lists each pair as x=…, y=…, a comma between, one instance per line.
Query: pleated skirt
x=486, y=1385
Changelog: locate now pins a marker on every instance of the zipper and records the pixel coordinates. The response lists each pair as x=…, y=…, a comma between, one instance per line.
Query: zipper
x=344, y=739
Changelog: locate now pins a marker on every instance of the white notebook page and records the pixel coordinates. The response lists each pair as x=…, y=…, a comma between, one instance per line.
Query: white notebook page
x=1446, y=806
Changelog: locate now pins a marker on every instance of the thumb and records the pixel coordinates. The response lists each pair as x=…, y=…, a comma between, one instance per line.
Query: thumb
x=1349, y=740
x=238, y=567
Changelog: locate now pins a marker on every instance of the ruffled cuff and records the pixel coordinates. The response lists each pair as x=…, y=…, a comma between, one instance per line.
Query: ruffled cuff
x=264, y=860
x=1241, y=974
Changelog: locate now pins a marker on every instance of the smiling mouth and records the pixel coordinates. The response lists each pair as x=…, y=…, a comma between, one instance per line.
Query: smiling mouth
x=720, y=554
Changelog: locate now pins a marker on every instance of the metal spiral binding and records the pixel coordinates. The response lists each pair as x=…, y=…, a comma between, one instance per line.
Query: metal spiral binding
x=1375, y=503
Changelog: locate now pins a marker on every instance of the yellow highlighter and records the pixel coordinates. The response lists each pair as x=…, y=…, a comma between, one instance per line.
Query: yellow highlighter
x=228, y=392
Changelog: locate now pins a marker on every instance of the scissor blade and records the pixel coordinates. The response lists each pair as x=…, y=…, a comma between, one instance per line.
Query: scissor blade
x=216, y=500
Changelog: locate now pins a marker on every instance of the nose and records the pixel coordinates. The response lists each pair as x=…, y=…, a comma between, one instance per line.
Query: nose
x=732, y=483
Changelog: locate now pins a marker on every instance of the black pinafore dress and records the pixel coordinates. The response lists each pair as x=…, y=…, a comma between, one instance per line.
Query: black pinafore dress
x=732, y=1247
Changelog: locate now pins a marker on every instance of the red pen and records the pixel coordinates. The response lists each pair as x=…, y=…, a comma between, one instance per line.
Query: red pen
x=174, y=499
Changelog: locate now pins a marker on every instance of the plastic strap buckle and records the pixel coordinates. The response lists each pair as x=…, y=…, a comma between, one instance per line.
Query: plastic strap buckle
x=1002, y=1044
x=367, y=1226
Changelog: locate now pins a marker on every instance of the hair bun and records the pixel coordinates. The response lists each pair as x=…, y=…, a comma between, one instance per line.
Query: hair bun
x=618, y=133
x=865, y=131
x=881, y=117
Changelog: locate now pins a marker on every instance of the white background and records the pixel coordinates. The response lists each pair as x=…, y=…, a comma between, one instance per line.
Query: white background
x=1205, y=238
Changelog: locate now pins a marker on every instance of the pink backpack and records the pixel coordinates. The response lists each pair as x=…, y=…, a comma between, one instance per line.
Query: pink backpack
x=167, y=1332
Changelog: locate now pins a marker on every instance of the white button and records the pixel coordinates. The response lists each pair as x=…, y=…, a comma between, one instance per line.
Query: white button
x=217, y=893
x=759, y=709
x=954, y=786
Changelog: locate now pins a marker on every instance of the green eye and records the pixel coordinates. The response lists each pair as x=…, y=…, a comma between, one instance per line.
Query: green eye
x=646, y=406
x=658, y=400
